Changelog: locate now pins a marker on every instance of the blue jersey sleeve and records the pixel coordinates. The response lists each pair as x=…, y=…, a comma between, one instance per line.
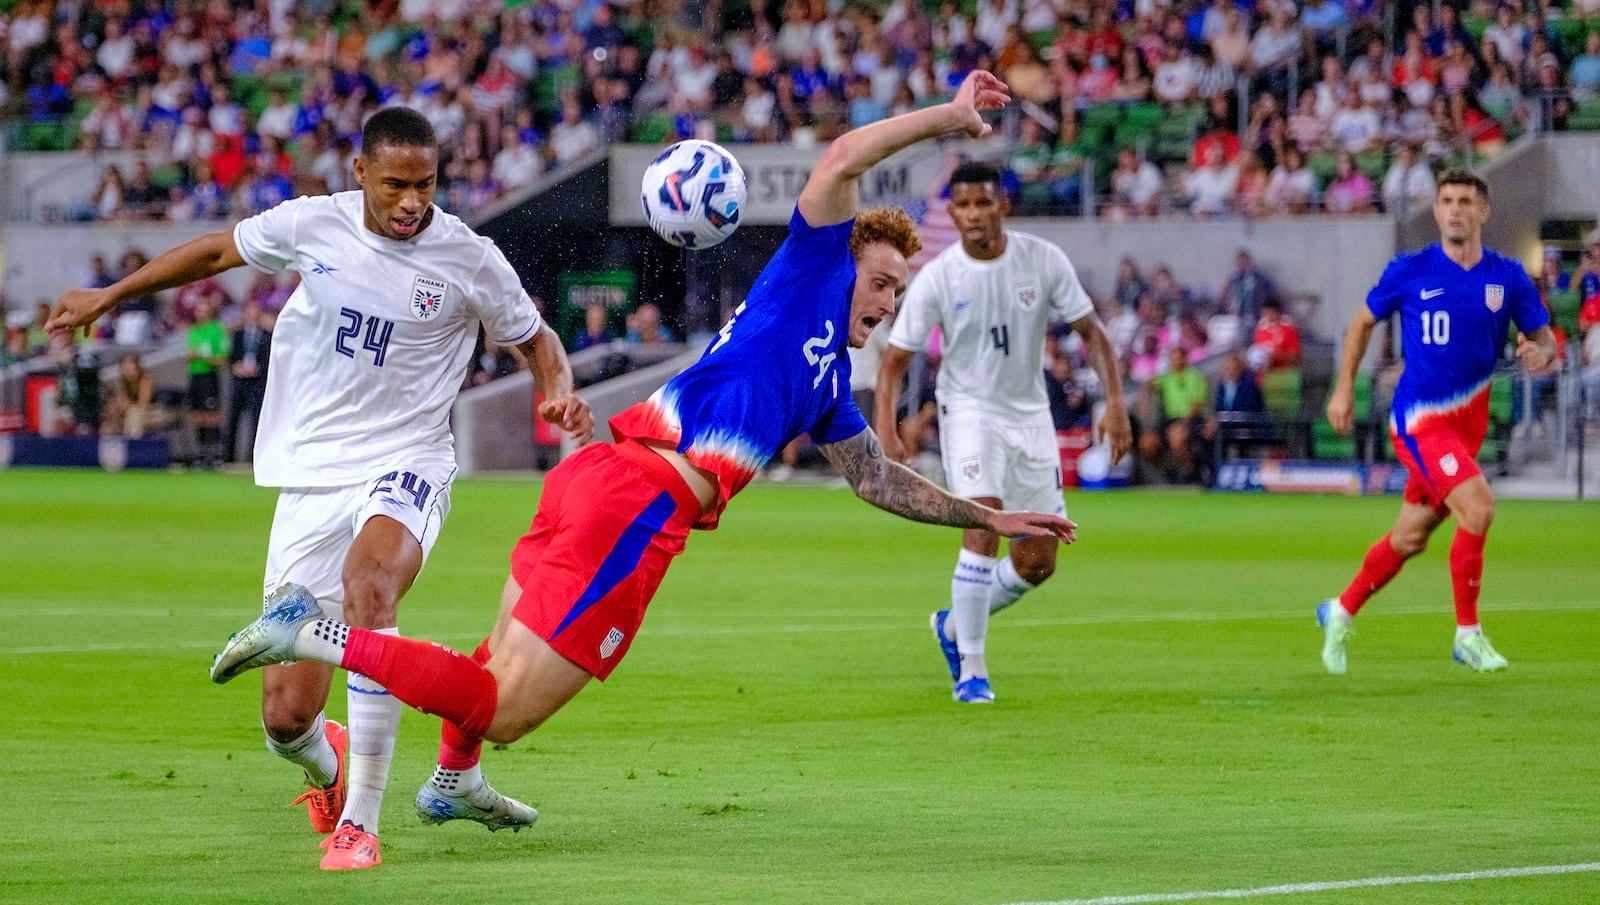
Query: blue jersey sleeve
x=839, y=423
x=1384, y=299
x=1527, y=308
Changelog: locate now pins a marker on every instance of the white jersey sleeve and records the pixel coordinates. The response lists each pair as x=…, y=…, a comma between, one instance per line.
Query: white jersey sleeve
x=919, y=312
x=1068, y=299
x=267, y=240
x=507, y=313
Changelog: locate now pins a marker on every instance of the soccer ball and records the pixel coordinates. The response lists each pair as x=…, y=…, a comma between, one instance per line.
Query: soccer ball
x=692, y=194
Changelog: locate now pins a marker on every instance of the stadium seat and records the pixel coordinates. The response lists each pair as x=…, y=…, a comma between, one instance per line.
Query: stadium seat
x=1145, y=114
x=1281, y=390
x=1564, y=305
x=1496, y=449
x=1327, y=444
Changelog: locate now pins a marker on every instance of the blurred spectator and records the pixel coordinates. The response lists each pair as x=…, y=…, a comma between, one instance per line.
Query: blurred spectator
x=1238, y=388
x=1585, y=69
x=1070, y=406
x=645, y=327
x=38, y=338
x=1135, y=186
x=106, y=201
x=1247, y=292
x=142, y=199
x=1591, y=374
x=573, y=137
x=1276, y=346
x=518, y=164
x=1174, y=403
x=1210, y=187
x=1291, y=186
x=335, y=167
x=130, y=409
x=207, y=352
x=1409, y=184
x=1349, y=192
x=249, y=354
x=595, y=332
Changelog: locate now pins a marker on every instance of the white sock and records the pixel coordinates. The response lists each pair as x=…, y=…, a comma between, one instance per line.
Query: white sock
x=1340, y=613
x=969, y=610
x=374, y=722
x=323, y=640
x=1463, y=631
x=312, y=753
x=1007, y=588
x=457, y=781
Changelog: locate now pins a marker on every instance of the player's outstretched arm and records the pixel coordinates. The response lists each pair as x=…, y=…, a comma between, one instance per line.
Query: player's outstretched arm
x=895, y=488
x=1114, y=424
x=197, y=259
x=886, y=399
x=552, y=374
x=1342, y=401
x=830, y=194
x=1537, y=352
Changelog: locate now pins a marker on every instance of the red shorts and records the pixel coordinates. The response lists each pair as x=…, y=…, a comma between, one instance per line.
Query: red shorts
x=1437, y=461
x=610, y=520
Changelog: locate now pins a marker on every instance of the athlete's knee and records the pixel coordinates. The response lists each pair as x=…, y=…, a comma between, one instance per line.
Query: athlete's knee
x=371, y=595
x=1035, y=570
x=1408, y=542
x=287, y=717
x=1476, y=516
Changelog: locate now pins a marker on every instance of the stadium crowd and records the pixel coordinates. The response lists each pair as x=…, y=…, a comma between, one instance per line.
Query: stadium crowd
x=241, y=105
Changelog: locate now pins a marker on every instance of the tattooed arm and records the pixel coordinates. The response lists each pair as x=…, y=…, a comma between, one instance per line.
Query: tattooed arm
x=895, y=488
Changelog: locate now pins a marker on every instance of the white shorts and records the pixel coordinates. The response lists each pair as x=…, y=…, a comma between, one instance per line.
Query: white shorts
x=313, y=527
x=1019, y=464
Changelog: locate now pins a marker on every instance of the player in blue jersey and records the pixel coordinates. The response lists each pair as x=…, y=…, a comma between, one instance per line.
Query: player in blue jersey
x=612, y=517
x=1456, y=302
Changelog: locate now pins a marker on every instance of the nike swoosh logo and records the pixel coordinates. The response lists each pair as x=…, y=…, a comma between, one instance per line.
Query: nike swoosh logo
x=1430, y=293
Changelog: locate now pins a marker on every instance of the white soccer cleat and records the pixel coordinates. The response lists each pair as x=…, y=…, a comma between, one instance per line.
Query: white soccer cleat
x=1475, y=651
x=1336, y=632
x=269, y=639
x=482, y=804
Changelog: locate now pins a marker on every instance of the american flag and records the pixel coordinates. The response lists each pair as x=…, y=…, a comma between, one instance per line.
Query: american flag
x=934, y=226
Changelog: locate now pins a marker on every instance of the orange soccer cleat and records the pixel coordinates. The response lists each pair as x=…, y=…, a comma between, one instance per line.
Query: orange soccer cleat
x=325, y=805
x=351, y=848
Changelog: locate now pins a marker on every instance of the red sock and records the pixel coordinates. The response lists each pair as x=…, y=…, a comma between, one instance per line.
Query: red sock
x=1466, y=574
x=459, y=749
x=1381, y=564
x=430, y=677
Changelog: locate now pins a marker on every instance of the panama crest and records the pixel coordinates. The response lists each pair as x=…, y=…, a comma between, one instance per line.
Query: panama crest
x=427, y=297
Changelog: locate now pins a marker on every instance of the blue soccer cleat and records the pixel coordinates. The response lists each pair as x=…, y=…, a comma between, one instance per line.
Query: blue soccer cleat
x=269, y=639
x=974, y=691
x=952, y=657
x=436, y=804
x=1336, y=632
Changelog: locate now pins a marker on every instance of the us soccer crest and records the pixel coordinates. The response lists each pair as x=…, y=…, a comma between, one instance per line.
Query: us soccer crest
x=1494, y=295
x=1027, y=295
x=427, y=297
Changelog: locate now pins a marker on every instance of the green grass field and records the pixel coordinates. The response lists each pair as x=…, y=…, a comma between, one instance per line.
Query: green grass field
x=783, y=730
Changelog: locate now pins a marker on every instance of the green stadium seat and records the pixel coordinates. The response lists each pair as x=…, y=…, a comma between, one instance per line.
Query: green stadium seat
x=1496, y=449
x=652, y=128
x=1281, y=390
x=1145, y=114
x=1372, y=164
x=1327, y=444
x=1103, y=116
x=1564, y=307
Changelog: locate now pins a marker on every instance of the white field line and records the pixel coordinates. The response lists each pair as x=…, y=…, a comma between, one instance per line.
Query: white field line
x=1304, y=614
x=1293, y=888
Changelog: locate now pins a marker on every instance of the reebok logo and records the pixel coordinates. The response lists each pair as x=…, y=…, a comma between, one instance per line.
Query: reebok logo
x=1431, y=293
x=609, y=646
x=319, y=267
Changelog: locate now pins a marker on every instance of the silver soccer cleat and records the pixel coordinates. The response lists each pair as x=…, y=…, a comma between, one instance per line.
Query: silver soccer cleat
x=482, y=804
x=269, y=639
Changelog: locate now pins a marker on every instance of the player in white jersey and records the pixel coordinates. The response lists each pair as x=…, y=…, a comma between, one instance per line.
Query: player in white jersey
x=368, y=355
x=994, y=295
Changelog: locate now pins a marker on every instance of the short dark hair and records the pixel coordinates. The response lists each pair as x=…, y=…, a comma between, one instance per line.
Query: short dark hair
x=1467, y=178
x=975, y=172
x=398, y=126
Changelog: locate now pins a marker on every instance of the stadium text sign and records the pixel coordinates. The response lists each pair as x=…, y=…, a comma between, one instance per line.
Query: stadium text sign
x=775, y=175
